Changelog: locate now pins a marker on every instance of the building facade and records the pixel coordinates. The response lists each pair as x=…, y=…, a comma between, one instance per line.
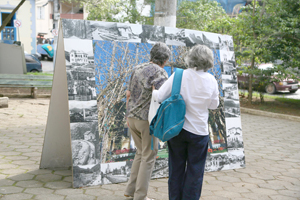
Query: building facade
x=26, y=33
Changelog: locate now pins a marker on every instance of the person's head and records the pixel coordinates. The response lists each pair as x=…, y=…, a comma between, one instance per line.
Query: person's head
x=200, y=57
x=160, y=53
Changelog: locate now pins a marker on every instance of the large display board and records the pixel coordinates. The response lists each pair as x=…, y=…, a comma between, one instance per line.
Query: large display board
x=99, y=59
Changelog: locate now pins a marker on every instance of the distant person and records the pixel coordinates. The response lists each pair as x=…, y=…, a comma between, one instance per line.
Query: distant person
x=48, y=48
x=188, y=150
x=138, y=102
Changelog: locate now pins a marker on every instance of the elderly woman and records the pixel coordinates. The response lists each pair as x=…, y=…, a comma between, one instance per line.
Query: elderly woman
x=188, y=150
x=139, y=96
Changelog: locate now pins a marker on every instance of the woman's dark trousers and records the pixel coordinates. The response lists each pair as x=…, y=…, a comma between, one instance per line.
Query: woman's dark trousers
x=187, y=155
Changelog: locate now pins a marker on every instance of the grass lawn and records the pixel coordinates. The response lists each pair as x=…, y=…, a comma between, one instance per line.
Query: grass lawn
x=273, y=104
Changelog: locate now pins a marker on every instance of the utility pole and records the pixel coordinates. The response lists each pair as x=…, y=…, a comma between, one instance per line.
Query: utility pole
x=56, y=14
x=165, y=13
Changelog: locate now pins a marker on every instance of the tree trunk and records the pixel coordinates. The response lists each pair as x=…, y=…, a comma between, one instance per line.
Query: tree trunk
x=253, y=58
x=165, y=13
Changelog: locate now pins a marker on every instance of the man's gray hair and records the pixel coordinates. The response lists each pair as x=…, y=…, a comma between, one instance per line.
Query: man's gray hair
x=160, y=53
x=200, y=57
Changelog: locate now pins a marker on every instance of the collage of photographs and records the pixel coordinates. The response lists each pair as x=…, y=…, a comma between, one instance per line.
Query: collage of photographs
x=100, y=58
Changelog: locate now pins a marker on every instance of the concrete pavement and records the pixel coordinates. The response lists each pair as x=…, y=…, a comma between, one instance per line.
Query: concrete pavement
x=272, y=152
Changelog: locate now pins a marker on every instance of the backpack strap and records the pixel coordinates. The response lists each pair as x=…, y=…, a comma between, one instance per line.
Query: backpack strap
x=177, y=81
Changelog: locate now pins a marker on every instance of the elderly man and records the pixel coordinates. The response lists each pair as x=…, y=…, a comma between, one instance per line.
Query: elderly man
x=138, y=96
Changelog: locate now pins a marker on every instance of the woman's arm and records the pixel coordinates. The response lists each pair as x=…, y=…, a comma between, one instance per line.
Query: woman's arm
x=164, y=91
x=215, y=97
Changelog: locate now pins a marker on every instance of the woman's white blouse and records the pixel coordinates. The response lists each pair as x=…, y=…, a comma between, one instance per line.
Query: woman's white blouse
x=200, y=92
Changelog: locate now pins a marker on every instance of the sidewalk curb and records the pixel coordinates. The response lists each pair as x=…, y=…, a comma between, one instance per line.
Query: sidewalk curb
x=269, y=114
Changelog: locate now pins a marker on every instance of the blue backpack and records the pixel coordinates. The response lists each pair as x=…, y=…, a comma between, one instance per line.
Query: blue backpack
x=169, y=118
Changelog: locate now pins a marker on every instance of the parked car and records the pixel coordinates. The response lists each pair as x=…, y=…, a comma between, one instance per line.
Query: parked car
x=270, y=86
x=32, y=63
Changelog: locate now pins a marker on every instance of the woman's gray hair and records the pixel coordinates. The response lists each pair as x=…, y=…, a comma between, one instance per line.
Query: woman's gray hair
x=159, y=53
x=200, y=57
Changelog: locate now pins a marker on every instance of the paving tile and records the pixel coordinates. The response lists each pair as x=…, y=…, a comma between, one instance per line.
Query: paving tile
x=40, y=171
x=29, y=184
x=281, y=197
x=80, y=197
x=49, y=197
x=18, y=196
x=228, y=194
x=48, y=177
x=13, y=171
x=98, y=192
x=8, y=166
x=264, y=191
x=69, y=191
x=255, y=196
x=23, y=162
x=290, y=193
x=21, y=157
x=6, y=182
x=10, y=189
x=38, y=191
x=21, y=177
x=58, y=185
x=63, y=172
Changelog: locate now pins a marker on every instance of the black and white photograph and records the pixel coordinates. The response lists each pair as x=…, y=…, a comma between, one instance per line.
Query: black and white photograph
x=115, y=31
x=193, y=37
x=226, y=42
x=83, y=111
x=175, y=36
x=85, y=154
x=228, y=65
x=116, y=172
x=230, y=78
x=80, y=69
x=211, y=40
x=86, y=175
x=231, y=91
x=232, y=108
x=161, y=168
x=85, y=143
x=76, y=29
x=152, y=34
x=223, y=161
x=234, y=134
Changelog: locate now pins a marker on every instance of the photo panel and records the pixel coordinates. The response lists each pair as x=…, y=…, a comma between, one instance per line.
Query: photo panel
x=100, y=59
x=114, y=64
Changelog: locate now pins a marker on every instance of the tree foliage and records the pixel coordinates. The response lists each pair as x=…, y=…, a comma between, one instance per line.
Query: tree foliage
x=116, y=10
x=200, y=14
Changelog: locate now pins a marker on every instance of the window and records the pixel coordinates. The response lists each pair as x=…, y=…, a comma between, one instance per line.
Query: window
x=40, y=12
